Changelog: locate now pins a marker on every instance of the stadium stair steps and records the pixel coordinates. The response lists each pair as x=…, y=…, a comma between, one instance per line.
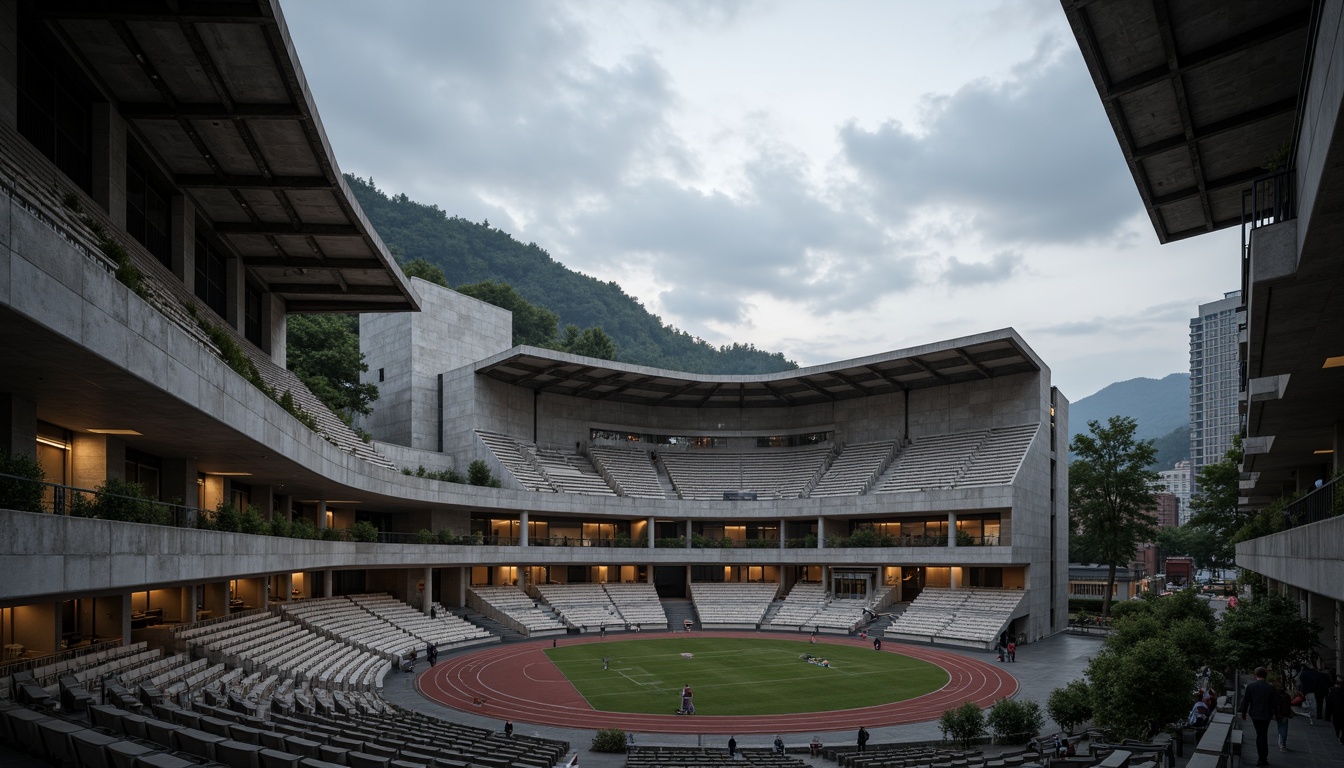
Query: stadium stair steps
x=678, y=610
x=505, y=634
x=771, y=611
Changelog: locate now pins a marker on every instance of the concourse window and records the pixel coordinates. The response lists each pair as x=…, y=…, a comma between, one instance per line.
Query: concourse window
x=148, y=206
x=55, y=103
x=211, y=271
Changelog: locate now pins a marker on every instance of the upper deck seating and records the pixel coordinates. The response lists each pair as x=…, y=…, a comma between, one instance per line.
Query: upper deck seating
x=630, y=470
x=571, y=473
x=773, y=473
x=999, y=457
x=855, y=469
x=732, y=604
x=512, y=606
x=517, y=460
x=964, y=459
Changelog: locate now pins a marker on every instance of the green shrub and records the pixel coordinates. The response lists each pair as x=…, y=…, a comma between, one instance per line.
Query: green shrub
x=251, y=521
x=609, y=740
x=446, y=536
x=23, y=495
x=331, y=534
x=478, y=473
x=1070, y=706
x=963, y=724
x=127, y=502
x=1015, y=722
x=226, y=518
x=302, y=528
x=424, y=536
x=364, y=531
x=278, y=526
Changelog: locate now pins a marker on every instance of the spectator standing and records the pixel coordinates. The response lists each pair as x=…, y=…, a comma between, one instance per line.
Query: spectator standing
x=816, y=746
x=732, y=748
x=779, y=744
x=1012, y=651
x=1258, y=705
x=1334, y=708
x=1283, y=712
x=508, y=729
x=863, y=739
x=877, y=643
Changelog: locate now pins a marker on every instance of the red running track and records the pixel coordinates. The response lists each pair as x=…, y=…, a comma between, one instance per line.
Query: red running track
x=518, y=682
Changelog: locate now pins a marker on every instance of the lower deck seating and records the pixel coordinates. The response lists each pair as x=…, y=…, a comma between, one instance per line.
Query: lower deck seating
x=513, y=607
x=960, y=616
x=732, y=604
x=694, y=757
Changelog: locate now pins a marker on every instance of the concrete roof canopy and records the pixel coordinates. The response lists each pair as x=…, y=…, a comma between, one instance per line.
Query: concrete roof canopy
x=214, y=92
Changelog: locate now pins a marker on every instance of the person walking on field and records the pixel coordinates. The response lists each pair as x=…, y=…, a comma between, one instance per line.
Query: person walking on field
x=1258, y=705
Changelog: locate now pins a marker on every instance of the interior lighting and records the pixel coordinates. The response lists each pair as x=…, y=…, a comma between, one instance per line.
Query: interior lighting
x=53, y=443
x=230, y=474
x=1324, y=452
x=114, y=432
x=1334, y=362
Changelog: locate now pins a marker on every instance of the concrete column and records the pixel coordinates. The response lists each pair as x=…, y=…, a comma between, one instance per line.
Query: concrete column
x=522, y=528
x=265, y=592
x=653, y=542
x=951, y=529
x=462, y=584
x=821, y=532
x=183, y=245
x=328, y=582
x=126, y=611
x=276, y=326
x=322, y=514
x=18, y=416
x=109, y=163
x=954, y=577
x=429, y=591
x=688, y=534
x=648, y=574
x=57, y=625
x=287, y=585
x=783, y=533
x=9, y=64
x=286, y=507
x=96, y=458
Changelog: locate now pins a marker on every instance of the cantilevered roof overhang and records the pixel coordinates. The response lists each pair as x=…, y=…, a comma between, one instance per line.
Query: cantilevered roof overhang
x=1201, y=96
x=215, y=93
x=974, y=358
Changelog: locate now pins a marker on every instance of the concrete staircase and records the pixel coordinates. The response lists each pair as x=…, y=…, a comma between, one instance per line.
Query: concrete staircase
x=505, y=634
x=678, y=610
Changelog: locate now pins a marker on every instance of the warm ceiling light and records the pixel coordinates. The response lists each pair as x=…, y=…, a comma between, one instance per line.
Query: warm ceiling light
x=1334, y=362
x=1324, y=451
x=230, y=474
x=53, y=443
x=114, y=431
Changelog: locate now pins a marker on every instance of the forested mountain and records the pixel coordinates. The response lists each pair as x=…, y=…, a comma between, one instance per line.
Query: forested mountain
x=470, y=252
x=1160, y=406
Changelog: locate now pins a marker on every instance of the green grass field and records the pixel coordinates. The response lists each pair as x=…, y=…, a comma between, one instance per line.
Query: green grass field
x=732, y=676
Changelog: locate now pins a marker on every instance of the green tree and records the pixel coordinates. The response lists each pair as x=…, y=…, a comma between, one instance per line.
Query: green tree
x=963, y=724
x=324, y=351
x=532, y=324
x=590, y=342
x=1268, y=630
x=425, y=271
x=1070, y=706
x=1138, y=689
x=1197, y=541
x=1015, y=722
x=1214, y=502
x=1111, y=495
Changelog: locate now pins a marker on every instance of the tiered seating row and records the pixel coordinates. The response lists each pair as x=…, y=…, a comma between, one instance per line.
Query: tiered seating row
x=512, y=606
x=696, y=757
x=808, y=606
x=630, y=471
x=639, y=604
x=733, y=605
x=961, y=616
x=346, y=621
x=998, y=459
x=571, y=473
x=773, y=473
x=931, y=462
x=517, y=461
x=583, y=606
x=445, y=629
x=855, y=469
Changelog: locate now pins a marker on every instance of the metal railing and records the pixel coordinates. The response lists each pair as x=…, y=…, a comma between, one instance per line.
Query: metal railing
x=1269, y=200
x=1321, y=504
x=29, y=495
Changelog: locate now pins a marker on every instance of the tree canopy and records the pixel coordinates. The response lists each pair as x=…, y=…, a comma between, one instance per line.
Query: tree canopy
x=1267, y=629
x=1214, y=502
x=324, y=351
x=1111, y=496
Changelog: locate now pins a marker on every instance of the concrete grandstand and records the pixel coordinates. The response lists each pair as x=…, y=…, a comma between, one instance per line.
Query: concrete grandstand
x=806, y=500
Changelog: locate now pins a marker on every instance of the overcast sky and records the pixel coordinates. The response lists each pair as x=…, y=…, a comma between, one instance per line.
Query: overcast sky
x=827, y=180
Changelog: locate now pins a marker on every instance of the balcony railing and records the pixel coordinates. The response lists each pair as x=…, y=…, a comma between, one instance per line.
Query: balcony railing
x=24, y=493
x=1323, y=503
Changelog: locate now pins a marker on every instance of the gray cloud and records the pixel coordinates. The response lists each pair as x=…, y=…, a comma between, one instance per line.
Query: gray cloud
x=1002, y=266
x=1031, y=159
x=1154, y=316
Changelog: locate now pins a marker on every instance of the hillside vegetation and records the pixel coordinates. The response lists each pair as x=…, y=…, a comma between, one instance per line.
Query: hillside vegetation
x=472, y=253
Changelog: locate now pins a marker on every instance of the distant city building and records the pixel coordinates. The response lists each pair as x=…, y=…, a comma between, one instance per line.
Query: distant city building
x=1167, y=505
x=1215, y=381
x=1177, y=482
